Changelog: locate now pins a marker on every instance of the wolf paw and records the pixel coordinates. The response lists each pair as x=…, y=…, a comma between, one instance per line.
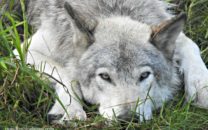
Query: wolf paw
x=72, y=114
x=67, y=118
x=58, y=115
x=196, y=85
x=144, y=111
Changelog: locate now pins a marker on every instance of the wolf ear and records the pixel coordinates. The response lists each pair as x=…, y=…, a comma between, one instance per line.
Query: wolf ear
x=85, y=24
x=164, y=35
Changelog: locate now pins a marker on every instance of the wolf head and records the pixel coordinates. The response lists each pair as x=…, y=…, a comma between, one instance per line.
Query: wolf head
x=126, y=66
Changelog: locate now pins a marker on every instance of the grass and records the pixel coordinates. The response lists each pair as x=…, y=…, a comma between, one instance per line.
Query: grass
x=25, y=97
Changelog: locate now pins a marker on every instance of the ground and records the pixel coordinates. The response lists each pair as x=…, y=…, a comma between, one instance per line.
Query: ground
x=25, y=99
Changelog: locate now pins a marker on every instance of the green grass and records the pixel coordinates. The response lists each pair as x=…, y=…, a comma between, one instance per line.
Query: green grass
x=25, y=97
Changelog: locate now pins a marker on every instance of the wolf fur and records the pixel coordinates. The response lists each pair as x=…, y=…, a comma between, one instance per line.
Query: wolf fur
x=123, y=54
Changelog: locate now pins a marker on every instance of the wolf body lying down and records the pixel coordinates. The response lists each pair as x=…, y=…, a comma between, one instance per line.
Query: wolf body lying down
x=123, y=54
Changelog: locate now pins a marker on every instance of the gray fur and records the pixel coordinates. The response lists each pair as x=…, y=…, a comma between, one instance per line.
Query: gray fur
x=85, y=39
x=53, y=11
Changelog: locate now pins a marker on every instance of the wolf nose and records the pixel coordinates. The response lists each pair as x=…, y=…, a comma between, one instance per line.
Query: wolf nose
x=125, y=115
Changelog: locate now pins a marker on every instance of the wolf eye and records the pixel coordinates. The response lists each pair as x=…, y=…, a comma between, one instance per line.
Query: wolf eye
x=144, y=76
x=105, y=77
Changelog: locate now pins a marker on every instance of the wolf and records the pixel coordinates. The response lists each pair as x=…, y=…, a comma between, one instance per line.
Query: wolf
x=127, y=56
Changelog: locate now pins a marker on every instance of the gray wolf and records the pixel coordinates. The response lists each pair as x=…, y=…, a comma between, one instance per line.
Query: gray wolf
x=124, y=55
